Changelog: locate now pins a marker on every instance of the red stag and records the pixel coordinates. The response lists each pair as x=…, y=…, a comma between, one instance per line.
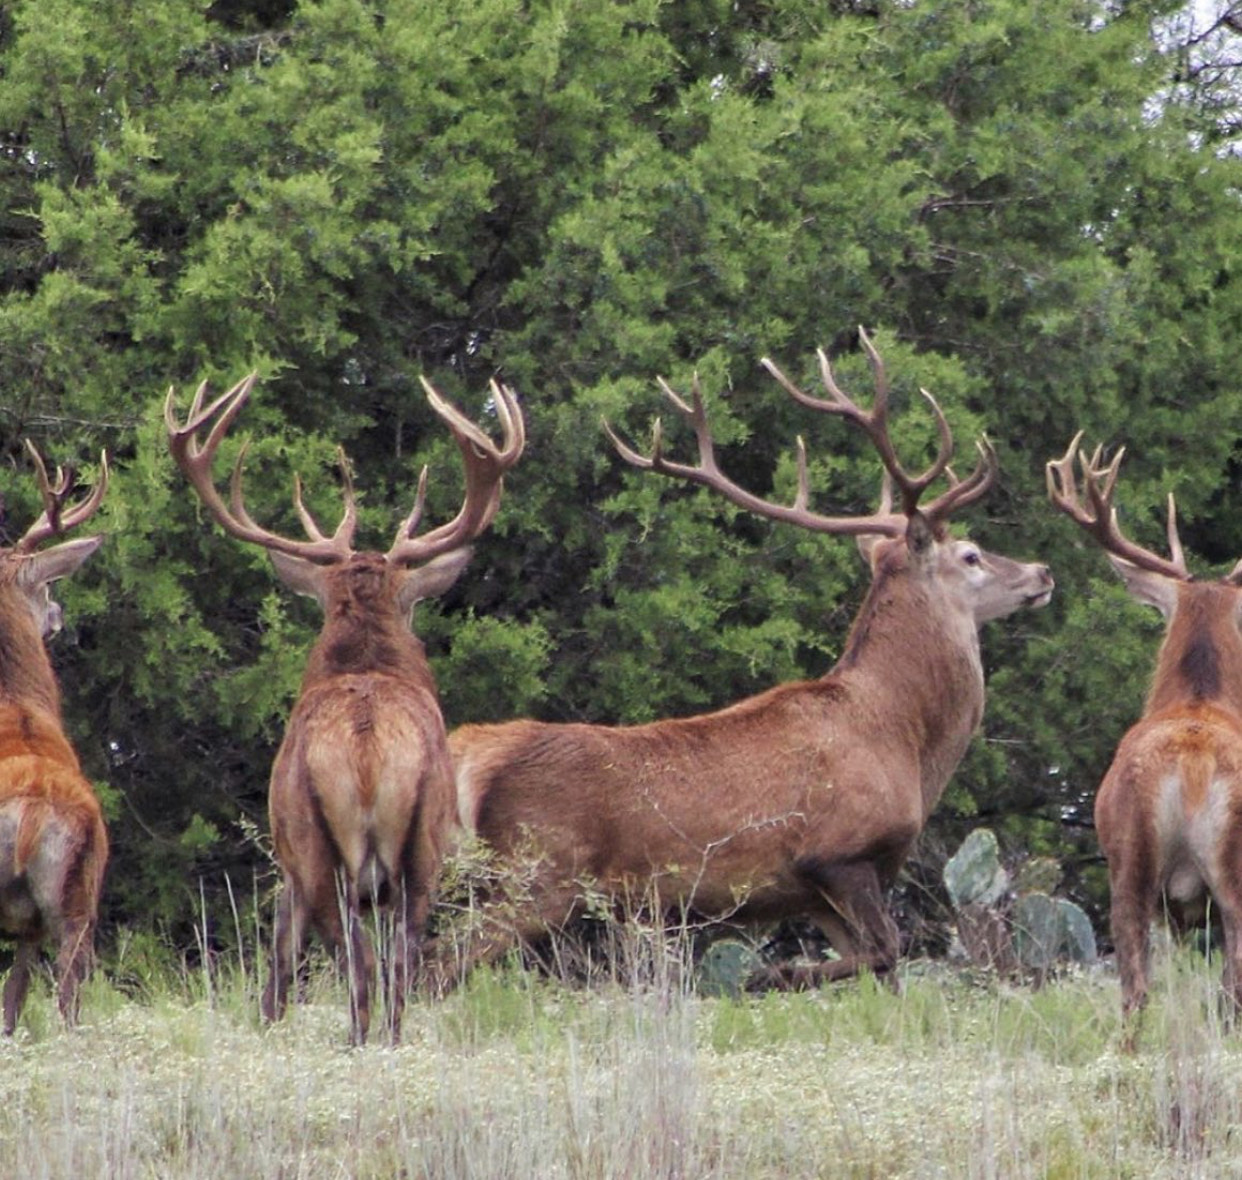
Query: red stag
x=361, y=796
x=1167, y=813
x=804, y=800
x=53, y=843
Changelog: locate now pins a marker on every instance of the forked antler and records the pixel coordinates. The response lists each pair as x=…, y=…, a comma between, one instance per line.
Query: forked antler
x=1098, y=517
x=873, y=423
x=485, y=465
x=56, y=517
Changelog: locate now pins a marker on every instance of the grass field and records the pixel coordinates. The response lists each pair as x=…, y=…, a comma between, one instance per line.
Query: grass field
x=518, y=1076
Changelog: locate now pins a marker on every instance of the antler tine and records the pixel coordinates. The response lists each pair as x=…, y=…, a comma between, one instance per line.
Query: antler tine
x=485, y=465
x=707, y=473
x=344, y=535
x=965, y=491
x=874, y=422
x=1098, y=517
x=196, y=461
x=1175, y=542
x=55, y=517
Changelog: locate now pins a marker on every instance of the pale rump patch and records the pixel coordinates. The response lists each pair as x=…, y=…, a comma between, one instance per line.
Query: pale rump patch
x=1192, y=814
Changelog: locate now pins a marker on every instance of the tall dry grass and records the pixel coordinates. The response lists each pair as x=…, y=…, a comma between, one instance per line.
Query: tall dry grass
x=634, y=1075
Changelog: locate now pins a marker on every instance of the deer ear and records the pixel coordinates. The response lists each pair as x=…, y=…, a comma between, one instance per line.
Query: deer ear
x=433, y=579
x=1147, y=586
x=58, y=562
x=868, y=546
x=299, y=575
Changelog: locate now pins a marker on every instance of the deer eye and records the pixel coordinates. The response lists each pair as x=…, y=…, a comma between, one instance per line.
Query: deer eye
x=971, y=557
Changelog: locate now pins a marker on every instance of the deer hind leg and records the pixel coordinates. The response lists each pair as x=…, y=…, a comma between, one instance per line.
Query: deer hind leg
x=411, y=912
x=339, y=923
x=851, y=912
x=1131, y=911
x=73, y=961
x=18, y=983
x=1227, y=894
x=288, y=939
x=501, y=924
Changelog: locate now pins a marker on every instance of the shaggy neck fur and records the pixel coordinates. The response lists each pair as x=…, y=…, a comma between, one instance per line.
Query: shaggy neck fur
x=25, y=671
x=365, y=631
x=1201, y=656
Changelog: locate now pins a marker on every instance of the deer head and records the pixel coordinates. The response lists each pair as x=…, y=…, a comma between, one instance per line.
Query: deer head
x=31, y=570
x=329, y=567
x=988, y=586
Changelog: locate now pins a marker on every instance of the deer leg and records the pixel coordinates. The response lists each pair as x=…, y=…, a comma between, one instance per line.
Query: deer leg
x=342, y=927
x=853, y=916
x=411, y=914
x=500, y=925
x=18, y=983
x=287, y=941
x=1130, y=913
x=1227, y=894
x=73, y=961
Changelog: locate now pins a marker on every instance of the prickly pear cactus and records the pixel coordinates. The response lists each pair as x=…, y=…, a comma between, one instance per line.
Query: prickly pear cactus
x=1036, y=923
x=1077, y=936
x=725, y=966
x=973, y=875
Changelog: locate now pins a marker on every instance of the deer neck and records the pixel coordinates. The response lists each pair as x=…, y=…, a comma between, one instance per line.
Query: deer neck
x=357, y=641
x=1200, y=659
x=913, y=657
x=26, y=676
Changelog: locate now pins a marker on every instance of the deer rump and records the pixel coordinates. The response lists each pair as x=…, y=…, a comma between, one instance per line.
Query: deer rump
x=53, y=844
x=1168, y=800
x=363, y=787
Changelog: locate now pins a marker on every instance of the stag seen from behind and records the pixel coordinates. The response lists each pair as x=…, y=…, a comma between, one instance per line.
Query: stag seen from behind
x=1169, y=810
x=53, y=843
x=361, y=796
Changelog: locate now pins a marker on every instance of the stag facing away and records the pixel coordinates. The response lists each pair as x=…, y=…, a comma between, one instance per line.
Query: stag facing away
x=802, y=801
x=361, y=797
x=1169, y=810
x=53, y=843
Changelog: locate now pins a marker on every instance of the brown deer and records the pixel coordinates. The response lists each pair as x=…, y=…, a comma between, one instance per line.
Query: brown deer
x=804, y=800
x=361, y=796
x=1169, y=811
x=53, y=843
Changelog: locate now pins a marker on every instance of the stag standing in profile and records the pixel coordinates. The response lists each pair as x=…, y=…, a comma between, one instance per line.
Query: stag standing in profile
x=53, y=843
x=804, y=800
x=1169, y=811
x=361, y=798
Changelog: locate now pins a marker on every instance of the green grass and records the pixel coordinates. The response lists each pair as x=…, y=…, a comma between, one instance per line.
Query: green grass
x=521, y=1076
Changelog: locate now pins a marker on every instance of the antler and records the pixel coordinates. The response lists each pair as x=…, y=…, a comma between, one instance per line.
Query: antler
x=56, y=517
x=1098, y=517
x=485, y=465
x=196, y=462
x=873, y=423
